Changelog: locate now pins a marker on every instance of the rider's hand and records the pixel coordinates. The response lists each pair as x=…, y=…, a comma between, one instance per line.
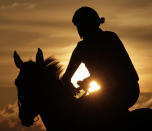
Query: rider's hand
x=69, y=86
x=84, y=84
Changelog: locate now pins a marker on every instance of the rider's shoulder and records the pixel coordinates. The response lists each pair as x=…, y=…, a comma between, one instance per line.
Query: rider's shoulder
x=110, y=33
x=80, y=43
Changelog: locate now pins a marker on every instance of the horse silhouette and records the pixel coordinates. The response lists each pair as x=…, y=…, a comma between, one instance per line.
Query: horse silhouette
x=41, y=92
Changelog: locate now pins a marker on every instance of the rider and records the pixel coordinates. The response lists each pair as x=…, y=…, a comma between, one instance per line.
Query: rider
x=106, y=59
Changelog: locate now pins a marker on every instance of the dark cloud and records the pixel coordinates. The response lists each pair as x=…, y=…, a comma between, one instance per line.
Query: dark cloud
x=13, y=38
x=41, y=23
x=138, y=3
x=11, y=4
x=50, y=4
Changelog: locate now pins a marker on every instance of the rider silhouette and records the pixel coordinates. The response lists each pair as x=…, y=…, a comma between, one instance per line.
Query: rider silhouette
x=106, y=59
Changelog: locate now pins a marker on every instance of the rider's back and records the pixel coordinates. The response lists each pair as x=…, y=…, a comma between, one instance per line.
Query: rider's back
x=108, y=61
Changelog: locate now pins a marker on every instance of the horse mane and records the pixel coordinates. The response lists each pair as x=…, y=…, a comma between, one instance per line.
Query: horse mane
x=53, y=66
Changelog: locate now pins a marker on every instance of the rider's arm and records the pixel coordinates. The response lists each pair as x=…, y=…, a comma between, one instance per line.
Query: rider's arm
x=75, y=61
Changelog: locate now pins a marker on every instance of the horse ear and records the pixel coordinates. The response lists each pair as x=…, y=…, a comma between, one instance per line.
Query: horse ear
x=39, y=57
x=17, y=60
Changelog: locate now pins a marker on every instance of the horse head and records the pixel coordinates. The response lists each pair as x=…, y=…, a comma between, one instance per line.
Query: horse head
x=28, y=83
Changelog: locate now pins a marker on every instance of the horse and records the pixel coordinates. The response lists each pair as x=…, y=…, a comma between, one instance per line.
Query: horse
x=41, y=92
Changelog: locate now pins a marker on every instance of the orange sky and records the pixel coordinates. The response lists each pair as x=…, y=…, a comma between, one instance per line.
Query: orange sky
x=28, y=24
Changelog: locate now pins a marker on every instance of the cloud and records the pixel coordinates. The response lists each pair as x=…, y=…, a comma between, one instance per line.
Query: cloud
x=17, y=4
x=144, y=101
x=9, y=120
x=12, y=5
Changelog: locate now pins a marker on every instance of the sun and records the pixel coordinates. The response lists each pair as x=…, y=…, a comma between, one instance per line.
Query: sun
x=82, y=73
x=93, y=87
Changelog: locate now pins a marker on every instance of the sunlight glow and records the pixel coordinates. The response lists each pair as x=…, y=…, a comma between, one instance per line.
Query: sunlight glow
x=82, y=73
x=93, y=87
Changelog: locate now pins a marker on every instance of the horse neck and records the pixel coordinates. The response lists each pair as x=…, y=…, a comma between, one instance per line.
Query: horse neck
x=50, y=103
x=46, y=113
